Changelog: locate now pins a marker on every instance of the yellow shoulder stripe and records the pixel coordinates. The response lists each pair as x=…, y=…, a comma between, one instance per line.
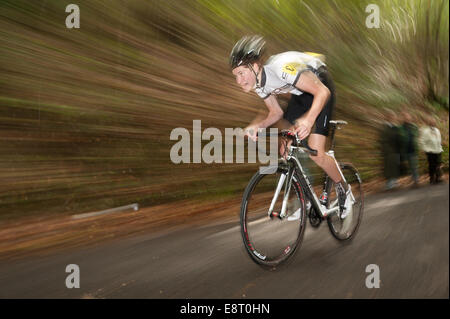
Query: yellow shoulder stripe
x=319, y=56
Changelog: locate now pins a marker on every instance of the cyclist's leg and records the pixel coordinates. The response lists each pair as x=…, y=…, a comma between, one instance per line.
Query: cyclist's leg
x=298, y=105
x=327, y=163
x=317, y=140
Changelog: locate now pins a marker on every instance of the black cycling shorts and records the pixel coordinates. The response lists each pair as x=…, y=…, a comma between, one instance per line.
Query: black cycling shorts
x=300, y=104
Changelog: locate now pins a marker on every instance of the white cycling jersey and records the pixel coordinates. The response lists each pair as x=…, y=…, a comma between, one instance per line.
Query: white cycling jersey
x=282, y=71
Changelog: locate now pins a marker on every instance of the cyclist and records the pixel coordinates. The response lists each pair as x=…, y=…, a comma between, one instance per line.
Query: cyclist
x=310, y=106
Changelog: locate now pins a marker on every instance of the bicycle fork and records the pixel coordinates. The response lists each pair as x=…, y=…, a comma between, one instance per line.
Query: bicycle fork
x=287, y=188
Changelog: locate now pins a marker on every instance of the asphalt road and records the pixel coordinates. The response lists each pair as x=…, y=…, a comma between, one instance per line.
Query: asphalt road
x=405, y=233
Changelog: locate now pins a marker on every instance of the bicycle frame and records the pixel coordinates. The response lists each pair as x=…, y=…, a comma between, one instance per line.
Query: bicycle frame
x=304, y=180
x=322, y=209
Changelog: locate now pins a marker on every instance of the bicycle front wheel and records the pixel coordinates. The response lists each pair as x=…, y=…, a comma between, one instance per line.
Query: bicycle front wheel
x=345, y=229
x=269, y=239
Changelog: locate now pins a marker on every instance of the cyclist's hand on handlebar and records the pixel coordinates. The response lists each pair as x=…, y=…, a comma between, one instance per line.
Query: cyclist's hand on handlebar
x=303, y=128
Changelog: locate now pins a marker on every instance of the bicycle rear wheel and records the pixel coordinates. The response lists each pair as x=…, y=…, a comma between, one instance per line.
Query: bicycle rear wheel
x=345, y=229
x=271, y=240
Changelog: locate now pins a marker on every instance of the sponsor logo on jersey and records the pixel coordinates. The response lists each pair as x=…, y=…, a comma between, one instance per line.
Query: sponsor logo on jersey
x=292, y=68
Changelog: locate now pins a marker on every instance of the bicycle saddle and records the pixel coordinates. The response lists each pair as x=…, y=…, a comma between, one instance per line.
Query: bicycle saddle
x=338, y=122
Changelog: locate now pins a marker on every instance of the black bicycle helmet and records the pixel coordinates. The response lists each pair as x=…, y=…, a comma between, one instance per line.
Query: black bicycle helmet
x=247, y=51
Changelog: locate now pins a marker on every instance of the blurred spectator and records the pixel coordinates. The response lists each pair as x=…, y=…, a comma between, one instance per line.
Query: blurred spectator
x=408, y=153
x=390, y=147
x=430, y=143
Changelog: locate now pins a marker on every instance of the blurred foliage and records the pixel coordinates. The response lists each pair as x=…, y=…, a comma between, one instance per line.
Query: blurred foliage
x=86, y=114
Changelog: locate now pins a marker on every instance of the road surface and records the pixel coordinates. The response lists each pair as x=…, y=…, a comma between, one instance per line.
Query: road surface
x=405, y=233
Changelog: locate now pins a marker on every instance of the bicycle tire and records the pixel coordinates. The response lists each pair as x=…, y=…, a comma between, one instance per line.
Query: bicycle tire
x=255, y=230
x=346, y=229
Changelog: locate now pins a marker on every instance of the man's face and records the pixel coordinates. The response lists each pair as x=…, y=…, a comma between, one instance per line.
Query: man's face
x=245, y=78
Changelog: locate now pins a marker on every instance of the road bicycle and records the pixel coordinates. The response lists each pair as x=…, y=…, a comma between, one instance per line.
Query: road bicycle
x=278, y=200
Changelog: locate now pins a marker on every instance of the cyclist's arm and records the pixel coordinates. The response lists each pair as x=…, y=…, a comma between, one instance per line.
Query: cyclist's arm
x=310, y=83
x=275, y=112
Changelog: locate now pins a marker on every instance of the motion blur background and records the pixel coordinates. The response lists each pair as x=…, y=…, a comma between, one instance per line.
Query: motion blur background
x=86, y=114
